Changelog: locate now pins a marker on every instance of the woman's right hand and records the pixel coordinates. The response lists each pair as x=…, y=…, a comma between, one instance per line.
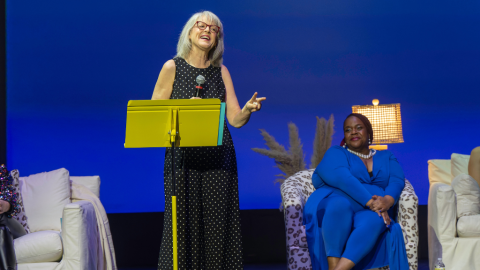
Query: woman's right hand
x=382, y=203
x=369, y=204
x=195, y=98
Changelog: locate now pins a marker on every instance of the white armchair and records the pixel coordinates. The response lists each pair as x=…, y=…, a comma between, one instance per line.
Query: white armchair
x=447, y=237
x=295, y=192
x=64, y=234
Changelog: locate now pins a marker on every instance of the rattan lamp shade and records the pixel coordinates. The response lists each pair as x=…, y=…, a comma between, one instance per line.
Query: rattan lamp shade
x=386, y=121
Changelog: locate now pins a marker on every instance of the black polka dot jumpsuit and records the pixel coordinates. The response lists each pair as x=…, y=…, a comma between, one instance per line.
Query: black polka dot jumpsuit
x=208, y=218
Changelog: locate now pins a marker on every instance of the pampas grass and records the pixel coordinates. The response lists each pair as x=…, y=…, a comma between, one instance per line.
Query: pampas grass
x=289, y=162
x=323, y=140
x=296, y=149
x=293, y=160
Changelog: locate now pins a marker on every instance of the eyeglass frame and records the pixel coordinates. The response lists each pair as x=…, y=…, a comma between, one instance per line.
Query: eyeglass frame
x=209, y=26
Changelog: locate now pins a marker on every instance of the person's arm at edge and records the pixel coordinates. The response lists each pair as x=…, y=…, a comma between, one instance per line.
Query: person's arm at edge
x=9, y=212
x=10, y=201
x=236, y=116
x=164, y=86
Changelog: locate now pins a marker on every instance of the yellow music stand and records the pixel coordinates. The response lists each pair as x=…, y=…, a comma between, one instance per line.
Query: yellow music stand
x=174, y=123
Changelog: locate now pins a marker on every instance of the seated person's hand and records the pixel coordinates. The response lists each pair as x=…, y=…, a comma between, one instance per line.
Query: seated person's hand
x=369, y=204
x=4, y=206
x=385, y=217
x=382, y=214
x=381, y=204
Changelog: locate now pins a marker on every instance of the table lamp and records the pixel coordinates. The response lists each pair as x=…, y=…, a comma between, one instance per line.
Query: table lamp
x=386, y=123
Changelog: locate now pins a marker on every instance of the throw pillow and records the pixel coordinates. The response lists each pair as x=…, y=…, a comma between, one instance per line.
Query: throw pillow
x=91, y=182
x=21, y=216
x=469, y=226
x=40, y=247
x=439, y=171
x=44, y=197
x=459, y=164
x=468, y=195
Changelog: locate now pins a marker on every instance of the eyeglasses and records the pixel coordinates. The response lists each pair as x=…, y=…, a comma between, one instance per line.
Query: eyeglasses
x=202, y=26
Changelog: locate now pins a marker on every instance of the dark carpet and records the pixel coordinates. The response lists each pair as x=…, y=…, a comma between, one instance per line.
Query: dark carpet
x=422, y=265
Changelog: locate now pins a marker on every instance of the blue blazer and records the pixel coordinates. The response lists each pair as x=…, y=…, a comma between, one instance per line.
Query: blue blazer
x=344, y=172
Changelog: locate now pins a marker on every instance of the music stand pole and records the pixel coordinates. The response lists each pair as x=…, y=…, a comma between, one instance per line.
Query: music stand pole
x=156, y=123
x=173, y=139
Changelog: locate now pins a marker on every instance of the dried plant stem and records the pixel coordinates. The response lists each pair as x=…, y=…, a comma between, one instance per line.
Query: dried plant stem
x=323, y=139
x=318, y=143
x=296, y=149
x=293, y=160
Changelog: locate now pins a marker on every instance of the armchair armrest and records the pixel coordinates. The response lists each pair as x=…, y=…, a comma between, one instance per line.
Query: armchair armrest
x=291, y=196
x=407, y=218
x=442, y=219
x=297, y=188
x=295, y=191
x=442, y=211
x=293, y=203
x=407, y=213
x=81, y=239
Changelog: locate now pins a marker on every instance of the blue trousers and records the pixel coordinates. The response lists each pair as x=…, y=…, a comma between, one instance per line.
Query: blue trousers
x=349, y=230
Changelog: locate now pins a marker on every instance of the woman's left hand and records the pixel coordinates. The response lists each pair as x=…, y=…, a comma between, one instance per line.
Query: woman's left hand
x=254, y=104
x=386, y=218
x=381, y=204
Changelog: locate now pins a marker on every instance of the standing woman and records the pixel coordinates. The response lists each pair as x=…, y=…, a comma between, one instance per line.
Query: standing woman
x=209, y=235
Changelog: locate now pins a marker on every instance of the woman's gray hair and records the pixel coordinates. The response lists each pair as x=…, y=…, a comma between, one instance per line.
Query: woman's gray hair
x=185, y=44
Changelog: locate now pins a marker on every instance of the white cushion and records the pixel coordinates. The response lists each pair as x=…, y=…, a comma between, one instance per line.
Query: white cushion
x=468, y=195
x=91, y=182
x=439, y=171
x=38, y=266
x=469, y=226
x=44, y=197
x=459, y=164
x=44, y=246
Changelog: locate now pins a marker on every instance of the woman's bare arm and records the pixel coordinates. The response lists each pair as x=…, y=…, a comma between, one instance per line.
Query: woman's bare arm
x=163, y=87
x=236, y=116
x=474, y=164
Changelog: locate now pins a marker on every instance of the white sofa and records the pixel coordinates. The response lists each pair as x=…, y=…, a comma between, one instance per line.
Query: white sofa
x=64, y=234
x=295, y=192
x=457, y=252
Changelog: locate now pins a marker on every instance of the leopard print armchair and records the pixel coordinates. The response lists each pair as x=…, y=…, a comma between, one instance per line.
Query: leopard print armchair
x=295, y=192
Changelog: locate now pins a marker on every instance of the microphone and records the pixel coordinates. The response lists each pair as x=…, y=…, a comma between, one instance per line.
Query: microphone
x=200, y=80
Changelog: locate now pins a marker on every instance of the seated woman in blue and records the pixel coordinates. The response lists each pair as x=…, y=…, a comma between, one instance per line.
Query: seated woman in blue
x=349, y=219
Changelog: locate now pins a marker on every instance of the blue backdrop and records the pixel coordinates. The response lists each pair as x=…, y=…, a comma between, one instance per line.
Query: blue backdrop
x=72, y=66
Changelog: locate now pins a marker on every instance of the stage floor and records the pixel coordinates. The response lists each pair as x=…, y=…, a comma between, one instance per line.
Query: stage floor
x=281, y=266
x=422, y=265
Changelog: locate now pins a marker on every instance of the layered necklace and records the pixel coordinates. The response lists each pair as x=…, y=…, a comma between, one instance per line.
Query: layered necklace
x=370, y=155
